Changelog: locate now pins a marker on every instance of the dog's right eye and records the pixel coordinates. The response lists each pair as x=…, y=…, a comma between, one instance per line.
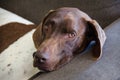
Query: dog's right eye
x=46, y=28
x=48, y=25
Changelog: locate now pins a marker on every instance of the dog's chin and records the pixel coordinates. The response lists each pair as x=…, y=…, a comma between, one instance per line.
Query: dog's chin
x=44, y=68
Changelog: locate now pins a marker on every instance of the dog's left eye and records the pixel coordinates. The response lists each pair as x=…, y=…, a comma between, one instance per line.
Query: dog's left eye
x=71, y=34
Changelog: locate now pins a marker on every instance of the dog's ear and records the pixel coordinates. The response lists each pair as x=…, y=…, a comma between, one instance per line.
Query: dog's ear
x=38, y=35
x=47, y=15
x=97, y=34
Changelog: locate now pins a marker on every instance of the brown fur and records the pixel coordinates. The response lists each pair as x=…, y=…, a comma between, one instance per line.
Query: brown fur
x=10, y=32
x=63, y=32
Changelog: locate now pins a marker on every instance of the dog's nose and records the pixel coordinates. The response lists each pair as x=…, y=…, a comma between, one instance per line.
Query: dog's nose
x=41, y=57
x=34, y=54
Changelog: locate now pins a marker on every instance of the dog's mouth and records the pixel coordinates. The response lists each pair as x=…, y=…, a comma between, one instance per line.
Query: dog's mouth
x=44, y=69
x=44, y=66
x=51, y=64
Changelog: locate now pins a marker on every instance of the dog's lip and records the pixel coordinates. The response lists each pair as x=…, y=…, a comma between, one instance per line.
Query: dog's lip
x=45, y=69
x=42, y=67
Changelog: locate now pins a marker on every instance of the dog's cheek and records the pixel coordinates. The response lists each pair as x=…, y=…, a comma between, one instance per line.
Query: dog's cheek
x=63, y=61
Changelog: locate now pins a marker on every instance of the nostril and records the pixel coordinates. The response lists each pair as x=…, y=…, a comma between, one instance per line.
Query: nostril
x=42, y=60
x=40, y=57
x=34, y=54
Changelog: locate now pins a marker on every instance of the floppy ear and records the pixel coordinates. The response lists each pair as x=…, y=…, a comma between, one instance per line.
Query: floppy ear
x=38, y=35
x=99, y=36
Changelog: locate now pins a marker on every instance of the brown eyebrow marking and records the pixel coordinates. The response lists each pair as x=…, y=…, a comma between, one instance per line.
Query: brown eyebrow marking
x=69, y=21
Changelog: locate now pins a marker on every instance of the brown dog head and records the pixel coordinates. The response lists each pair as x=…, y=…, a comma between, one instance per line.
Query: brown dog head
x=63, y=32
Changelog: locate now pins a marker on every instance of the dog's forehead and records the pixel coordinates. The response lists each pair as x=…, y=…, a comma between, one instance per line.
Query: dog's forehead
x=68, y=13
x=71, y=17
x=77, y=13
x=65, y=16
x=70, y=20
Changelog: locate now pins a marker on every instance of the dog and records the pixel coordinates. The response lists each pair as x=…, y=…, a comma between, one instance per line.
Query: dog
x=62, y=33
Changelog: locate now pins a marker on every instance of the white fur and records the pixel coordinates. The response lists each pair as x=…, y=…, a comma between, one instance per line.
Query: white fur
x=16, y=62
x=7, y=17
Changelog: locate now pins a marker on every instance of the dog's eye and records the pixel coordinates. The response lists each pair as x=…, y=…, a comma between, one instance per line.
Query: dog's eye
x=46, y=28
x=48, y=25
x=71, y=34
